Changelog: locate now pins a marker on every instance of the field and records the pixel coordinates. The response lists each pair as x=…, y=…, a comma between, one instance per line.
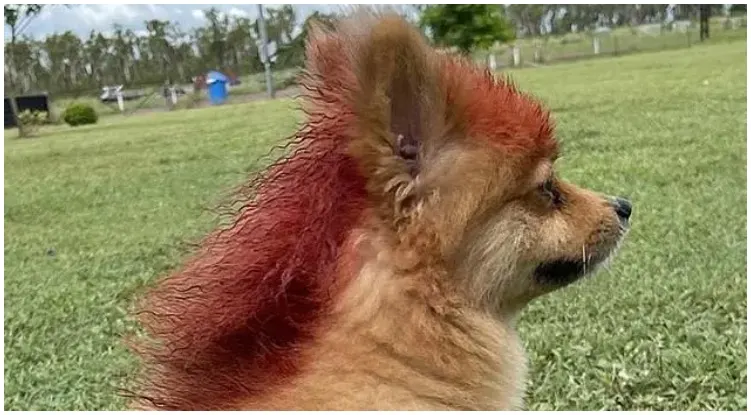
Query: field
x=94, y=213
x=620, y=41
x=153, y=100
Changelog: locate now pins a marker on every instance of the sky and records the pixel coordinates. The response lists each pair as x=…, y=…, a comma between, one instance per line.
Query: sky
x=82, y=19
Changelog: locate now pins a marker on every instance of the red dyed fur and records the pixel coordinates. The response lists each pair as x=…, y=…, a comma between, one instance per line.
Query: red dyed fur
x=230, y=323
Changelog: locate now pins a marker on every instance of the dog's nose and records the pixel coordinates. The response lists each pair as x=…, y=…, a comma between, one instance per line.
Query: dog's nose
x=622, y=207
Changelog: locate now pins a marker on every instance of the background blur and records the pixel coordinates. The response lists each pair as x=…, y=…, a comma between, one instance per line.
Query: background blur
x=73, y=52
x=136, y=121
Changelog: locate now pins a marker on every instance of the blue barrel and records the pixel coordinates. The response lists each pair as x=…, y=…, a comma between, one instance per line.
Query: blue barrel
x=217, y=92
x=216, y=84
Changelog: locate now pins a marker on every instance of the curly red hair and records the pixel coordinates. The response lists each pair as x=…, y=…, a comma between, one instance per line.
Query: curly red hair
x=241, y=308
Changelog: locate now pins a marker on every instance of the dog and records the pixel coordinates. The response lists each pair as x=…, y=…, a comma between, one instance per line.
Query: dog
x=382, y=263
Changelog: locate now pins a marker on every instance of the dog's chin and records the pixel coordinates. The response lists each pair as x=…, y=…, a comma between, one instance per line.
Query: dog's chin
x=564, y=271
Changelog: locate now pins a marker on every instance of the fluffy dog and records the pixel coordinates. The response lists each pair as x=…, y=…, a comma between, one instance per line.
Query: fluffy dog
x=382, y=263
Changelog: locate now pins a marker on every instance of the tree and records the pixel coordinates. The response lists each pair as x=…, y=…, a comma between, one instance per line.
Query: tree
x=737, y=9
x=123, y=46
x=66, y=64
x=466, y=26
x=66, y=59
x=181, y=51
x=217, y=35
x=283, y=20
x=17, y=18
x=161, y=53
x=704, y=13
x=527, y=17
x=95, y=51
x=241, y=46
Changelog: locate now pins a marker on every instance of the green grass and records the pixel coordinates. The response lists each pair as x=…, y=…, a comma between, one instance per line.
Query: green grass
x=251, y=84
x=620, y=41
x=93, y=213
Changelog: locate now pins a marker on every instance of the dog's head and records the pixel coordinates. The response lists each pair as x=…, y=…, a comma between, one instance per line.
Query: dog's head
x=461, y=166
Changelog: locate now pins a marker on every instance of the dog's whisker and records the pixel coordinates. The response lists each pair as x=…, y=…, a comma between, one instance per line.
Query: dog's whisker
x=584, y=257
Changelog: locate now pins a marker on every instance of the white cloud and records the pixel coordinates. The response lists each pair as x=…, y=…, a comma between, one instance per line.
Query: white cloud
x=198, y=14
x=45, y=14
x=237, y=12
x=90, y=14
x=98, y=14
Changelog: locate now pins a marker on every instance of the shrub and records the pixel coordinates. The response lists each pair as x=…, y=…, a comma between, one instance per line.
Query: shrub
x=30, y=121
x=80, y=114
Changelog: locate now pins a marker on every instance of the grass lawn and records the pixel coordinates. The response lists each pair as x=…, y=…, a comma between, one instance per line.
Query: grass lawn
x=251, y=84
x=619, y=41
x=93, y=213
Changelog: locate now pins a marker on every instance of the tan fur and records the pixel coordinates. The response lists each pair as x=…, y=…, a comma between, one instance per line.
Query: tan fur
x=398, y=343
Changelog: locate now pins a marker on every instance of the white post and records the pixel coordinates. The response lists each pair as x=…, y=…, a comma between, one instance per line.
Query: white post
x=120, y=103
x=491, y=62
x=173, y=95
x=517, y=55
x=596, y=45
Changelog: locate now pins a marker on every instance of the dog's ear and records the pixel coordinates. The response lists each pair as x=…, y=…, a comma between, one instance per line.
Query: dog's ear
x=375, y=75
x=400, y=104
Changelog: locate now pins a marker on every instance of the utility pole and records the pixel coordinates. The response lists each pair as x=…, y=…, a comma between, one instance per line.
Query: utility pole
x=265, y=51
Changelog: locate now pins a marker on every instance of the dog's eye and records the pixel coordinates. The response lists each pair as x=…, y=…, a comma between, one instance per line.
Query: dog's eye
x=548, y=189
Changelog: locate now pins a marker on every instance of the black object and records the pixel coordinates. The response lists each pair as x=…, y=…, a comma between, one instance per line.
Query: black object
x=38, y=102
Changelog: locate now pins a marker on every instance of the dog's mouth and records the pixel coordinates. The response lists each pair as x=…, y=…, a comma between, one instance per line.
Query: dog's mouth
x=564, y=271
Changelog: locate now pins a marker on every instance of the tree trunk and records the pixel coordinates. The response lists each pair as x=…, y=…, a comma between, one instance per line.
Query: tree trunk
x=704, y=12
x=181, y=72
x=12, y=92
